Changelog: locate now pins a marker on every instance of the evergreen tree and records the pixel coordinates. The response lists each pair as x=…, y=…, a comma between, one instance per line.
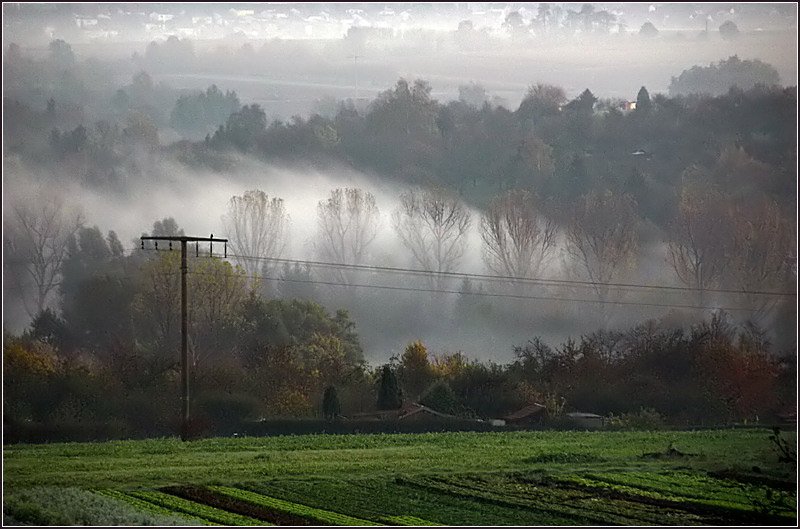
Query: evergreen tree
x=643, y=103
x=389, y=395
x=331, y=407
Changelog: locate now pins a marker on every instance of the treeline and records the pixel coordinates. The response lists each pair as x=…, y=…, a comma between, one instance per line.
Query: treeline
x=107, y=354
x=105, y=359
x=559, y=148
x=287, y=356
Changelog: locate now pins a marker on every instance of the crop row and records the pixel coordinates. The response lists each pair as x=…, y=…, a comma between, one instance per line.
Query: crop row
x=298, y=509
x=378, y=499
x=561, y=506
x=407, y=520
x=716, y=511
x=72, y=506
x=709, y=491
x=196, y=509
x=683, y=485
x=148, y=506
x=619, y=483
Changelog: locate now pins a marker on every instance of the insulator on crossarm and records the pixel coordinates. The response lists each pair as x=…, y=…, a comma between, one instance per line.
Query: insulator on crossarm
x=170, y=246
x=196, y=249
x=156, y=245
x=226, y=249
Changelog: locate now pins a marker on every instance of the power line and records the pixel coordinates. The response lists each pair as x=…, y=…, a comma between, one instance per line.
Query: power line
x=487, y=277
x=487, y=294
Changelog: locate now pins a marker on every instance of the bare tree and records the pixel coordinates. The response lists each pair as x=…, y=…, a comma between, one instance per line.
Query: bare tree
x=256, y=226
x=602, y=237
x=433, y=225
x=38, y=236
x=700, y=238
x=762, y=242
x=517, y=240
x=348, y=223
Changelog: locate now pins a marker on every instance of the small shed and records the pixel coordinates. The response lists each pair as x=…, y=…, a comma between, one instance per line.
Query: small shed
x=586, y=420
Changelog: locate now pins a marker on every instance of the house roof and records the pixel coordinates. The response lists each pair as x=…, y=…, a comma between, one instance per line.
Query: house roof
x=380, y=414
x=414, y=409
x=406, y=411
x=527, y=411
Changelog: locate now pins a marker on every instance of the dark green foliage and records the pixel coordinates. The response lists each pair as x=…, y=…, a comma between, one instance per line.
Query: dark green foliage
x=716, y=79
x=202, y=113
x=540, y=102
x=648, y=30
x=643, y=103
x=96, y=291
x=48, y=328
x=243, y=129
x=166, y=227
x=583, y=104
x=441, y=397
x=331, y=407
x=400, y=130
x=226, y=411
x=390, y=396
x=280, y=323
x=728, y=30
x=486, y=390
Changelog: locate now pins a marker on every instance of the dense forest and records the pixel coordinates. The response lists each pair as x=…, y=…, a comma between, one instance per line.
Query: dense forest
x=540, y=231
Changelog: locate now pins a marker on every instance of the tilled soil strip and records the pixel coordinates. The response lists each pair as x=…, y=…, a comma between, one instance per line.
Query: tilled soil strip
x=221, y=501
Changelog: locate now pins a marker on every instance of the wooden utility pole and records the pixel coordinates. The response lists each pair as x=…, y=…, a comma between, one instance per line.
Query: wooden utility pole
x=185, y=317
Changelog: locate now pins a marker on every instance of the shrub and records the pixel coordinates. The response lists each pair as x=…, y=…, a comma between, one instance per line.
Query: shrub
x=644, y=419
x=227, y=410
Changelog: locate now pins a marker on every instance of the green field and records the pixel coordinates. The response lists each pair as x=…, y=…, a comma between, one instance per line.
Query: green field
x=512, y=478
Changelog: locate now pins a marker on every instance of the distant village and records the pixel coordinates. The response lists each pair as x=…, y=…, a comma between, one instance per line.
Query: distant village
x=145, y=22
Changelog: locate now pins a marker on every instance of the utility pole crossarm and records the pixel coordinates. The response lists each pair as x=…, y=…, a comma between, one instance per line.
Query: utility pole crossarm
x=182, y=238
